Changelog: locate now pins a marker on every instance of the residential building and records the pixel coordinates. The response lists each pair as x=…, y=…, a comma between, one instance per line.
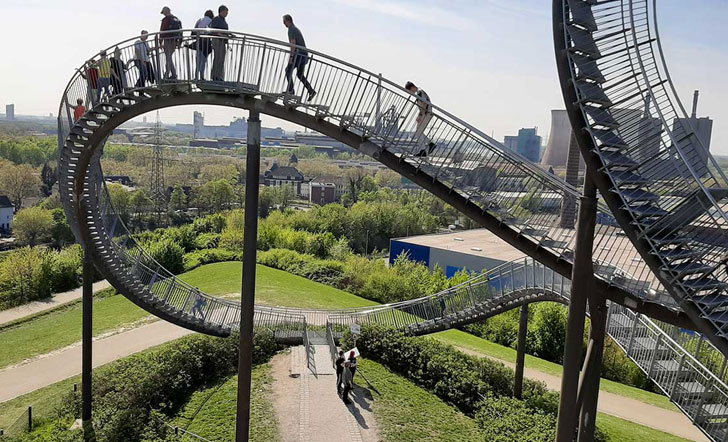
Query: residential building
x=322, y=193
x=278, y=176
x=6, y=214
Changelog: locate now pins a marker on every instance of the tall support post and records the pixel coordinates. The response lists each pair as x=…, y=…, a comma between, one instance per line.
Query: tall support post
x=250, y=243
x=521, y=353
x=86, y=345
x=589, y=384
x=582, y=277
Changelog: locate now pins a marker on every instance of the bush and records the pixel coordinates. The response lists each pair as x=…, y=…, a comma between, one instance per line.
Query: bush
x=168, y=254
x=455, y=377
x=24, y=276
x=547, y=329
x=324, y=271
x=197, y=258
x=506, y=419
x=66, y=269
x=127, y=392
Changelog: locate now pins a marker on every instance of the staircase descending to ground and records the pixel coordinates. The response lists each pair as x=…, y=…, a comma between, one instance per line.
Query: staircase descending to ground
x=665, y=256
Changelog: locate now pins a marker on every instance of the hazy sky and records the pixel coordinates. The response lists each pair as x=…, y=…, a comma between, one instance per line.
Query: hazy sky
x=489, y=62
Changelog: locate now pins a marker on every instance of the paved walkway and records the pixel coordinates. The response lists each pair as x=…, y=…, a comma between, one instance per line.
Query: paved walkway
x=39, y=306
x=308, y=408
x=19, y=380
x=672, y=422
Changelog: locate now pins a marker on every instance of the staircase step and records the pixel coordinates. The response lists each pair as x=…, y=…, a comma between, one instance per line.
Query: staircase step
x=608, y=139
x=677, y=253
x=629, y=179
x=535, y=232
x=583, y=42
x=691, y=389
x=711, y=301
x=646, y=210
x=704, y=283
x=593, y=93
x=714, y=411
x=634, y=195
x=688, y=211
x=602, y=117
x=617, y=159
x=588, y=68
x=687, y=268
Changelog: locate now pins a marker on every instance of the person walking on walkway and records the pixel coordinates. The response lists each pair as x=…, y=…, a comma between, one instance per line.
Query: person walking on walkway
x=423, y=119
x=104, y=68
x=142, y=62
x=219, y=44
x=347, y=378
x=118, y=72
x=170, y=41
x=298, y=58
x=202, y=44
x=78, y=110
x=200, y=303
x=339, y=370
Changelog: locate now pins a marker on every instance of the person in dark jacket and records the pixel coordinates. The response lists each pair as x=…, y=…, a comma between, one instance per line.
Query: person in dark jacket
x=118, y=72
x=170, y=41
x=219, y=44
x=339, y=370
x=298, y=58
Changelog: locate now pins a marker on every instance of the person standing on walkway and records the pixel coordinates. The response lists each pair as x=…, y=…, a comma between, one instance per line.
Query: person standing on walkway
x=118, y=71
x=352, y=364
x=298, y=58
x=104, y=68
x=347, y=378
x=219, y=44
x=203, y=44
x=170, y=41
x=339, y=370
x=141, y=61
x=423, y=119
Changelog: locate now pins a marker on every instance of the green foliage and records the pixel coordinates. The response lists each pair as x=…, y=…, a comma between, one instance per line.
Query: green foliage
x=125, y=392
x=24, y=276
x=548, y=331
x=29, y=150
x=33, y=226
x=168, y=253
x=66, y=268
x=324, y=271
x=61, y=232
x=197, y=258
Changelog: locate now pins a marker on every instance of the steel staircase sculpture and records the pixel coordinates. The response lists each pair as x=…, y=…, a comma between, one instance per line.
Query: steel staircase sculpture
x=663, y=187
x=467, y=169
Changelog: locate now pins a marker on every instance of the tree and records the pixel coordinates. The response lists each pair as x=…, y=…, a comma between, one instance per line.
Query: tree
x=49, y=177
x=217, y=172
x=61, y=232
x=140, y=202
x=215, y=196
x=178, y=199
x=387, y=178
x=120, y=200
x=33, y=225
x=18, y=182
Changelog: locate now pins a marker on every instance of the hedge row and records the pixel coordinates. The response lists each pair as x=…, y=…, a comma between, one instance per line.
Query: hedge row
x=129, y=393
x=479, y=387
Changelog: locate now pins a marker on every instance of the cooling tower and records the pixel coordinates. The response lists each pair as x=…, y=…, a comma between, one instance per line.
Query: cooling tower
x=557, y=150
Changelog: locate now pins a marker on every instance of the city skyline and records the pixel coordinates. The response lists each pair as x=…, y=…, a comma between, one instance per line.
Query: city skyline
x=490, y=63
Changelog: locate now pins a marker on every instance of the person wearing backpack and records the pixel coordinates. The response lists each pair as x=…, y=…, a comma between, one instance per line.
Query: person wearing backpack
x=170, y=41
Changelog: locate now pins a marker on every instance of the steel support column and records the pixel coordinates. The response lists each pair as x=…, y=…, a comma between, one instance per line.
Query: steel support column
x=86, y=345
x=521, y=352
x=582, y=279
x=589, y=383
x=250, y=243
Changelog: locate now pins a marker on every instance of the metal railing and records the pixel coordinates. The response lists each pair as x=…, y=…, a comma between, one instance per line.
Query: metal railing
x=474, y=165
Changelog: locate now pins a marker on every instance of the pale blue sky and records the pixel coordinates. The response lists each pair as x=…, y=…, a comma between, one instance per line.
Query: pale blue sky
x=489, y=62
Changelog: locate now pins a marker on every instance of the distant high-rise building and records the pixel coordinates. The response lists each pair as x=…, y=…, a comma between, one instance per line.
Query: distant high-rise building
x=527, y=144
x=9, y=111
x=144, y=119
x=198, y=124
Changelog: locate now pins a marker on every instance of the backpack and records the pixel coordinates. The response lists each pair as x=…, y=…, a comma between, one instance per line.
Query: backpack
x=174, y=25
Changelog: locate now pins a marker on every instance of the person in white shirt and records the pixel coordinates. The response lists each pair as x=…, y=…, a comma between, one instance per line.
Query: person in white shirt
x=423, y=120
x=204, y=47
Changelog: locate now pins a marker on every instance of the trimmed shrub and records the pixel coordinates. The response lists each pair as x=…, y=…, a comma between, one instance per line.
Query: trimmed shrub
x=197, y=258
x=169, y=254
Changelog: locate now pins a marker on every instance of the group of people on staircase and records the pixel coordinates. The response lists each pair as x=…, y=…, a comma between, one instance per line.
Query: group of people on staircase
x=107, y=76
x=345, y=371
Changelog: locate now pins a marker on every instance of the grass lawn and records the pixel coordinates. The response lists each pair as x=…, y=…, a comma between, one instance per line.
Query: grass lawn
x=63, y=327
x=407, y=413
x=210, y=412
x=273, y=287
x=620, y=430
x=43, y=401
x=487, y=348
